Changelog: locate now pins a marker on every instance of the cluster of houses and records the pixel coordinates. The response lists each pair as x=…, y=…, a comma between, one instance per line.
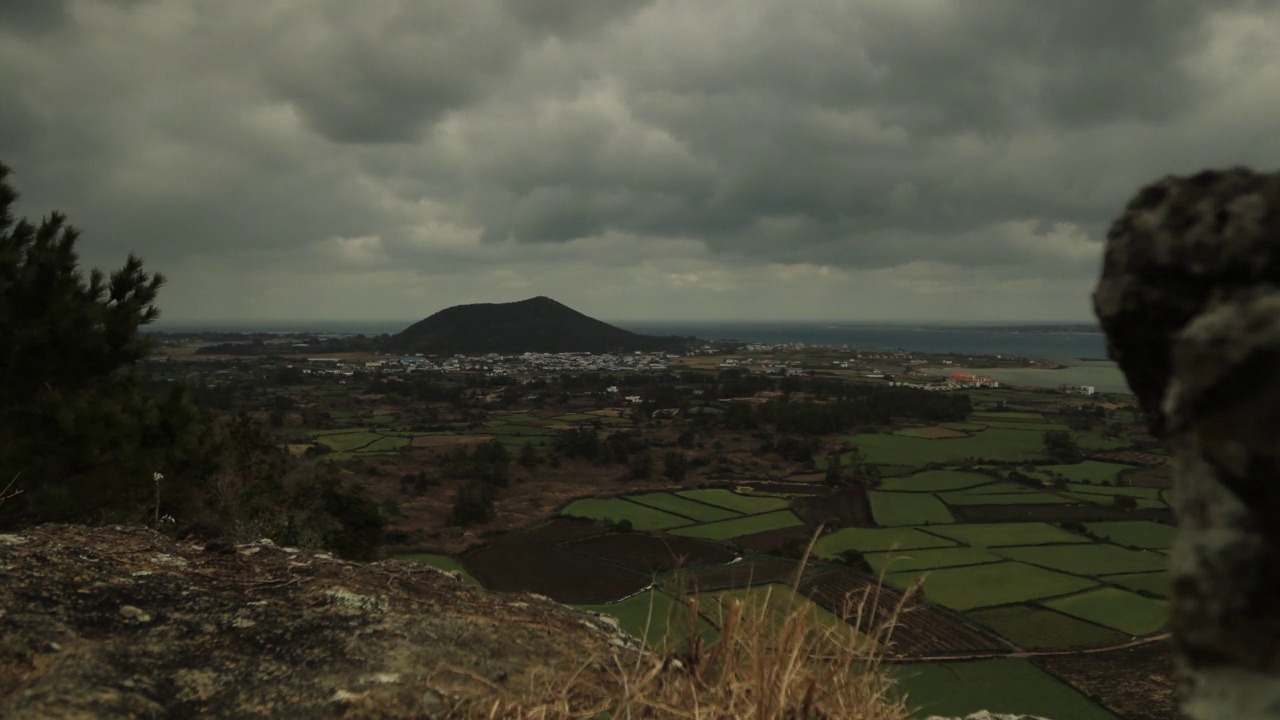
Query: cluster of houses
x=495, y=365
x=956, y=381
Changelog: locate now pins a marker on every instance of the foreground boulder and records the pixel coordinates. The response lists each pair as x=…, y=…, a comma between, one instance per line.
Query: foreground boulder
x=124, y=622
x=1190, y=301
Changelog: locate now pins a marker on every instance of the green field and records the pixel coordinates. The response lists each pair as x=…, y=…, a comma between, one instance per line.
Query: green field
x=975, y=586
x=1099, y=498
x=896, y=509
x=993, y=444
x=1003, y=488
x=1123, y=610
x=992, y=415
x=442, y=562
x=1039, y=427
x=874, y=540
x=642, y=517
x=964, y=426
x=699, y=511
x=935, y=481
x=1005, y=534
x=1089, y=471
x=1133, y=492
x=733, y=501
x=1092, y=560
x=748, y=525
x=1095, y=441
x=384, y=444
x=1137, y=533
x=495, y=427
x=348, y=441
x=1038, y=628
x=1022, y=498
x=1011, y=686
x=903, y=560
x=1156, y=583
x=650, y=614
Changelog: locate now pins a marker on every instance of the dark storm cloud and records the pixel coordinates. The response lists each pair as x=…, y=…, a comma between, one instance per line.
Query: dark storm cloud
x=24, y=16
x=725, y=140
x=570, y=17
x=812, y=114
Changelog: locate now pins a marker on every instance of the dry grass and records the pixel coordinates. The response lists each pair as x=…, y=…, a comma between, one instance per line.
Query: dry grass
x=758, y=669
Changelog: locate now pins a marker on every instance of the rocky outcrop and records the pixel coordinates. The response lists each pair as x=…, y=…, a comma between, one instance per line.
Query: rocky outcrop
x=1190, y=300
x=123, y=622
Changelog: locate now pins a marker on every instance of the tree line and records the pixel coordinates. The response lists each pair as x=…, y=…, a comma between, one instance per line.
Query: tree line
x=83, y=439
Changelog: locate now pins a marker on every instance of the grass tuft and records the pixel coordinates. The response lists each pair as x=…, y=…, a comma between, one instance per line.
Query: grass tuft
x=764, y=665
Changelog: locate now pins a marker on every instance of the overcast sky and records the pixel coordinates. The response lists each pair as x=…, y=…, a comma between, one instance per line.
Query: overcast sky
x=635, y=159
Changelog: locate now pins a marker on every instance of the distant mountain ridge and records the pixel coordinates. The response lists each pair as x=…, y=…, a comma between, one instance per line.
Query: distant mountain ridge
x=538, y=324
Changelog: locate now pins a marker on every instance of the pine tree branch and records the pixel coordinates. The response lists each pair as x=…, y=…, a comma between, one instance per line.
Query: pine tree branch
x=6, y=494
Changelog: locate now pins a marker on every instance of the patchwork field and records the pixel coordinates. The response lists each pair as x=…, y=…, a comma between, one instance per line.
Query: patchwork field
x=1120, y=609
x=1017, y=498
x=903, y=560
x=966, y=588
x=641, y=517
x=1087, y=559
x=1002, y=686
x=935, y=481
x=751, y=524
x=933, y=432
x=699, y=511
x=1038, y=628
x=1008, y=534
x=1156, y=583
x=733, y=501
x=992, y=443
x=896, y=509
x=1089, y=471
x=868, y=540
x=1139, y=533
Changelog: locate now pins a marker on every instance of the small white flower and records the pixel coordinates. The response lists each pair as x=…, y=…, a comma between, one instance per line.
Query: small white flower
x=157, y=477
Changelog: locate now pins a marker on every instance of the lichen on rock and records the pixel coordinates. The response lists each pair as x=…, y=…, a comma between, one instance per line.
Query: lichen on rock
x=1190, y=301
x=93, y=627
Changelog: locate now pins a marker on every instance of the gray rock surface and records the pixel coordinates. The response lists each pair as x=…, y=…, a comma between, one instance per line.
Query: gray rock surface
x=123, y=622
x=1190, y=301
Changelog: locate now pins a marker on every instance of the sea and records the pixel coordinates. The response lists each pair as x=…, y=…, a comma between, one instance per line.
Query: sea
x=1082, y=353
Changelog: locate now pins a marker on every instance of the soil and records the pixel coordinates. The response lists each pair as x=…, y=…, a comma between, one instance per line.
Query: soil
x=919, y=629
x=1055, y=513
x=652, y=553
x=775, y=540
x=1137, y=683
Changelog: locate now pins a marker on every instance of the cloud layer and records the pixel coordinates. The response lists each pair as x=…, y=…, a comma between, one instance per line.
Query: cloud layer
x=633, y=158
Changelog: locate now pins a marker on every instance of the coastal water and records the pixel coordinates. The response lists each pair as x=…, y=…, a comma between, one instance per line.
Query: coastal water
x=1083, y=352
x=985, y=340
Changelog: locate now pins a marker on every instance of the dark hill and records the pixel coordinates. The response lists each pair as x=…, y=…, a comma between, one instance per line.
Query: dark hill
x=538, y=324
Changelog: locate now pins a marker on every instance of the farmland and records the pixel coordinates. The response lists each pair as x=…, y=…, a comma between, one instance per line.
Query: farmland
x=1040, y=628
x=896, y=509
x=1120, y=609
x=632, y=508
x=988, y=585
x=1003, y=686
